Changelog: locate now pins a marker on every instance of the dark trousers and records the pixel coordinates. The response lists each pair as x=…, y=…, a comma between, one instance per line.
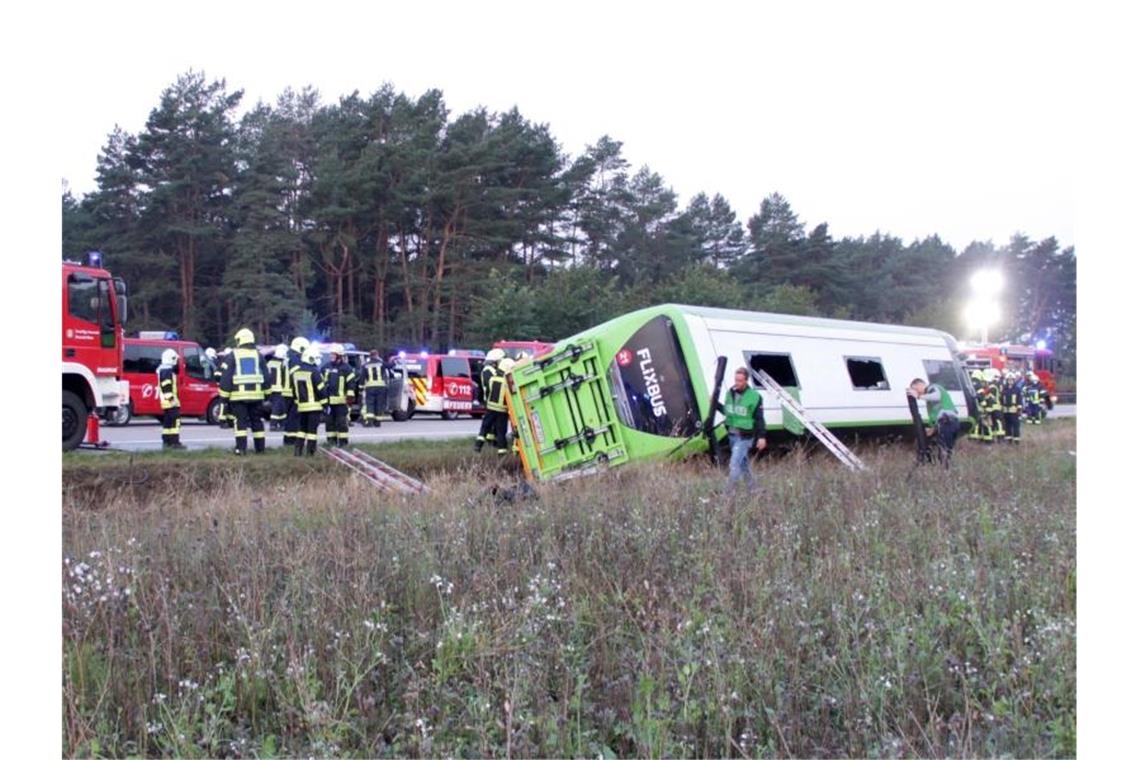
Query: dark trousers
x=277, y=408
x=948, y=431
x=171, y=425
x=336, y=429
x=1013, y=427
x=497, y=429
x=247, y=418
x=305, y=438
x=292, y=421
x=375, y=402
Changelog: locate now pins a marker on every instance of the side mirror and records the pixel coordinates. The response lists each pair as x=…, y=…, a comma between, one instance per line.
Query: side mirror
x=121, y=303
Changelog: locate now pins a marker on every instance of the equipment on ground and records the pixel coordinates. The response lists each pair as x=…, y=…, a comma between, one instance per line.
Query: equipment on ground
x=382, y=475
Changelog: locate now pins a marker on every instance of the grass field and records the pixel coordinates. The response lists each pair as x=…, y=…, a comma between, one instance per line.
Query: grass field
x=281, y=608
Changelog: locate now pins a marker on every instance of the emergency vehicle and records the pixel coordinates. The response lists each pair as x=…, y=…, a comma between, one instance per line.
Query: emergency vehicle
x=524, y=349
x=443, y=384
x=1023, y=359
x=197, y=391
x=94, y=308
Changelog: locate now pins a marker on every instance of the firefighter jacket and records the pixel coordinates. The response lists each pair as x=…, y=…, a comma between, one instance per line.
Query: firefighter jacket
x=168, y=388
x=292, y=362
x=340, y=382
x=1011, y=398
x=990, y=400
x=220, y=369
x=276, y=369
x=1035, y=394
x=307, y=387
x=245, y=378
x=489, y=371
x=374, y=374
x=496, y=392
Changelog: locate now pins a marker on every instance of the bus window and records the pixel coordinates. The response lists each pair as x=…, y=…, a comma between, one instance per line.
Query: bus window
x=867, y=373
x=779, y=366
x=942, y=372
x=650, y=383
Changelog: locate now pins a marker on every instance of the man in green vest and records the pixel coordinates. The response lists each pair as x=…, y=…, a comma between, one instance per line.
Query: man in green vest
x=744, y=418
x=941, y=414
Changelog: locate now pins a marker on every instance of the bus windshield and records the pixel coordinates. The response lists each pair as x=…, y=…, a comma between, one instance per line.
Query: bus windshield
x=650, y=383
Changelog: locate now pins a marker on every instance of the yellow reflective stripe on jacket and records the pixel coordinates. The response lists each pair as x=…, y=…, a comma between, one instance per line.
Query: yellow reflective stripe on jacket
x=306, y=384
x=277, y=372
x=495, y=398
x=167, y=389
x=374, y=376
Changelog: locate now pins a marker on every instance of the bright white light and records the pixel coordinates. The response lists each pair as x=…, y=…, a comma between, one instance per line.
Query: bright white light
x=982, y=313
x=1040, y=345
x=987, y=282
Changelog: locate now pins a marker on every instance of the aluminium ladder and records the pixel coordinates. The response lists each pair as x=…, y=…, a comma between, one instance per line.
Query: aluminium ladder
x=380, y=474
x=833, y=444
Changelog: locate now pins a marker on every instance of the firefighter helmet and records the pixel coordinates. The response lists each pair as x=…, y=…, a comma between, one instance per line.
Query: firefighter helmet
x=244, y=336
x=169, y=357
x=1031, y=377
x=280, y=351
x=506, y=364
x=211, y=354
x=496, y=355
x=976, y=375
x=312, y=355
x=300, y=345
x=337, y=349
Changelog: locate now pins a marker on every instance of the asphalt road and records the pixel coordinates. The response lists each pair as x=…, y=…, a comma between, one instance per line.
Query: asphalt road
x=146, y=434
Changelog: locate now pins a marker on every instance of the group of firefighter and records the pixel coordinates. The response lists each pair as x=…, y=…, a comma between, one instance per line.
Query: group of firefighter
x=301, y=392
x=299, y=389
x=1004, y=399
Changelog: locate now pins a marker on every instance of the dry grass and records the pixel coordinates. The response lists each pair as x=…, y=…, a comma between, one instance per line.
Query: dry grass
x=898, y=613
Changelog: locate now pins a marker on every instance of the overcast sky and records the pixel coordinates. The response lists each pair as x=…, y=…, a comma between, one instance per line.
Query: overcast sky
x=900, y=117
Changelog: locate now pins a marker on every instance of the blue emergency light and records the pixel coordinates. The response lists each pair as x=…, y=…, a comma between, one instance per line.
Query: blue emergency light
x=1041, y=345
x=95, y=259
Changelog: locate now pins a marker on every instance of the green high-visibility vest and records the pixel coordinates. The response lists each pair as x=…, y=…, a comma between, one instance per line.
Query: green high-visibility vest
x=944, y=403
x=739, y=409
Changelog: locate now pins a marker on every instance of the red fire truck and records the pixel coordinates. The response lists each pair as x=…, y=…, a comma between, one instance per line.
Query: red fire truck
x=1005, y=356
x=94, y=307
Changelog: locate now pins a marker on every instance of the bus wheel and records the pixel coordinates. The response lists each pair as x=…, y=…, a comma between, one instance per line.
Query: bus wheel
x=74, y=420
x=214, y=411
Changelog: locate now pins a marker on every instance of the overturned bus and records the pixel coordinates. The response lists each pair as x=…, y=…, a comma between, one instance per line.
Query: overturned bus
x=639, y=386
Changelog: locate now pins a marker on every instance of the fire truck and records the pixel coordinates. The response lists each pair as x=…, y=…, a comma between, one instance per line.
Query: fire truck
x=94, y=307
x=1005, y=356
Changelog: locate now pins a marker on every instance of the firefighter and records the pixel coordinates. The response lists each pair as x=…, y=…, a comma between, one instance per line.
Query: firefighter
x=1011, y=402
x=308, y=393
x=1034, y=400
x=168, y=397
x=340, y=386
x=375, y=389
x=497, y=405
x=225, y=419
x=993, y=404
x=490, y=370
x=293, y=358
x=276, y=367
x=244, y=382
x=981, y=431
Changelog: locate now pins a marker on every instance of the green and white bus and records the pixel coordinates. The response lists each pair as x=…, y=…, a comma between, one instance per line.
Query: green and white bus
x=638, y=386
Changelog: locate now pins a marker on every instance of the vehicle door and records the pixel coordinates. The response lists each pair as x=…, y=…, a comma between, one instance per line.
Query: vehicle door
x=458, y=392
x=196, y=388
x=140, y=369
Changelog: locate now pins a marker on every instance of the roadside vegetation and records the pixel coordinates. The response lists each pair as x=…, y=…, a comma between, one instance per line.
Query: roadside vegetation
x=246, y=612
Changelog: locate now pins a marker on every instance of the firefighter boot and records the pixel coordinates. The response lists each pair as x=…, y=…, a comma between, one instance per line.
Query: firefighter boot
x=258, y=445
x=311, y=447
x=478, y=444
x=299, y=449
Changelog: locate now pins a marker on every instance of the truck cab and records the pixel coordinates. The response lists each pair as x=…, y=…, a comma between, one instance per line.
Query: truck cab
x=197, y=391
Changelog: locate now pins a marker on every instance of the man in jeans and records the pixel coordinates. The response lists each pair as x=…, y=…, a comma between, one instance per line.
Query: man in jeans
x=942, y=415
x=744, y=417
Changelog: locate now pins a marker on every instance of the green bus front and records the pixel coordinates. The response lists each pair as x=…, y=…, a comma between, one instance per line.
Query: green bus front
x=623, y=391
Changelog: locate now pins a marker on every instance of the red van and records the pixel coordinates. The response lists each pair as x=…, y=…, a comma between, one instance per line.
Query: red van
x=197, y=391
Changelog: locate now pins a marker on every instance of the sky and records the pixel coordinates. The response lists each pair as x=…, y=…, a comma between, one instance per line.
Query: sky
x=899, y=117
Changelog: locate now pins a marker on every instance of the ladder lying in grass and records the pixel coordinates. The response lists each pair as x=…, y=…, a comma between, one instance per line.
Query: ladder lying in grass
x=833, y=444
x=380, y=474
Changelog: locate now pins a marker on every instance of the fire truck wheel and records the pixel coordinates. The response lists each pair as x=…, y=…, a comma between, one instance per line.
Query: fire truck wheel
x=450, y=415
x=74, y=420
x=214, y=411
x=121, y=416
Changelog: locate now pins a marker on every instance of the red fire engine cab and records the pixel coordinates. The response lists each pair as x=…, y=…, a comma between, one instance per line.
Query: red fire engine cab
x=1023, y=359
x=94, y=307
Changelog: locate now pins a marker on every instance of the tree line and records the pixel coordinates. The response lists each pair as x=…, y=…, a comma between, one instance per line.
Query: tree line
x=387, y=221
